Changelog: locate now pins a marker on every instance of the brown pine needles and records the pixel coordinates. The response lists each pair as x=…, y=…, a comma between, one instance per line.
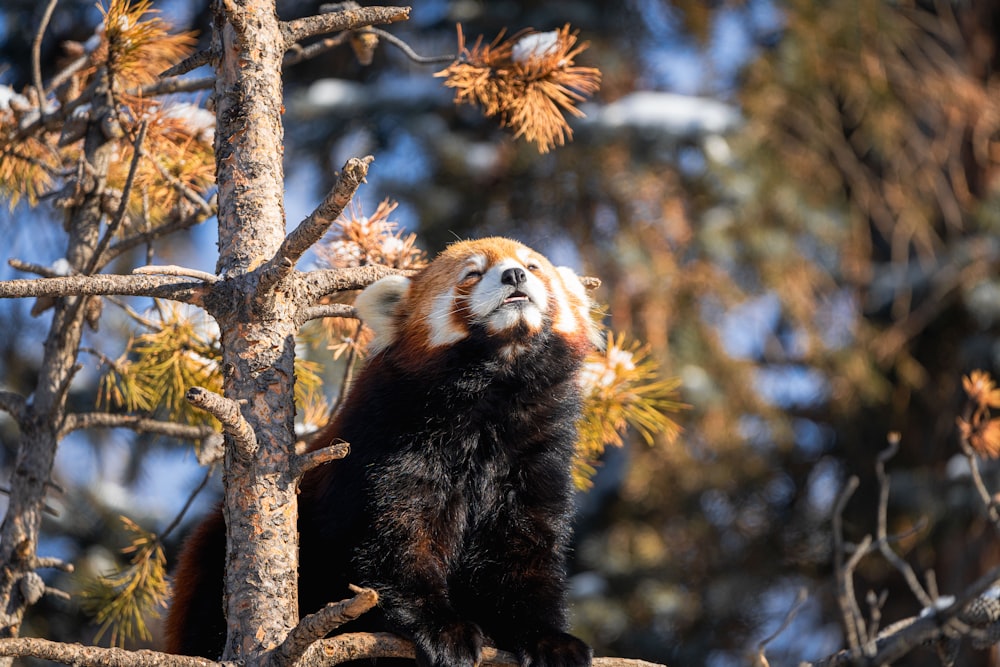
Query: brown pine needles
x=529, y=80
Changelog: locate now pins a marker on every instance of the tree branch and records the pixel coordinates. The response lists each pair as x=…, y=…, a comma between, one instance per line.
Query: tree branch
x=902, y=637
x=78, y=421
x=312, y=229
x=349, y=19
x=103, y=285
x=194, y=61
x=228, y=412
x=305, y=462
x=95, y=656
x=318, y=625
x=36, y=54
x=327, y=310
x=323, y=282
x=408, y=51
x=364, y=645
x=14, y=405
x=173, y=270
x=177, y=84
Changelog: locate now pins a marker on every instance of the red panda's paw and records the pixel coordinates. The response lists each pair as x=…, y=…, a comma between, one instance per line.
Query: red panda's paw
x=457, y=644
x=557, y=649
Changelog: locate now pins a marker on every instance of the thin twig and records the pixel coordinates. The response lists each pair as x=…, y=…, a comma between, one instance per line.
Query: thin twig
x=408, y=50
x=177, y=84
x=298, y=53
x=29, y=267
x=845, y=588
x=187, y=504
x=14, y=405
x=194, y=61
x=174, y=270
x=79, y=421
x=36, y=54
x=883, y=509
x=116, y=222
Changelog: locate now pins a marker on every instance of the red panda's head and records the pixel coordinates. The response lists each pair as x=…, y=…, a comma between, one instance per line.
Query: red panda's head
x=495, y=285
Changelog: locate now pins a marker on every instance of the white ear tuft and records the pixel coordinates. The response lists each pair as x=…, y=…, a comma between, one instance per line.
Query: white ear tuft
x=376, y=306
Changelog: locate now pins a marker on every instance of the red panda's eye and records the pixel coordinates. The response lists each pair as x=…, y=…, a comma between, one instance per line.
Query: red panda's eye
x=472, y=275
x=533, y=267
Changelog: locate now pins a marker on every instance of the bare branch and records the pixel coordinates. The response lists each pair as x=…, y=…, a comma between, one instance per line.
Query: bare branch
x=900, y=638
x=311, y=230
x=349, y=19
x=29, y=267
x=194, y=61
x=228, y=412
x=36, y=53
x=78, y=421
x=328, y=310
x=845, y=585
x=95, y=656
x=14, y=405
x=187, y=504
x=155, y=233
x=173, y=270
x=177, y=84
x=318, y=625
x=323, y=282
x=298, y=53
x=363, y=645
x=305, y=462
x=116, y=222
x=105, y=284
x=408, y=51
x=882, y=539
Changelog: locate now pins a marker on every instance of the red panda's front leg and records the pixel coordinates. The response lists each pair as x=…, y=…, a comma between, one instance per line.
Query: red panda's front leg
x=416, y=537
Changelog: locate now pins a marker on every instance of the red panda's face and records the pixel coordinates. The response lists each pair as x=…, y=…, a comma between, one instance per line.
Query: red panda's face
x=499, y=285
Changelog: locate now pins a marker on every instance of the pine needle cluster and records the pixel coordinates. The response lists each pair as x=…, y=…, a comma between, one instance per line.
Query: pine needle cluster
x=977, y=427
x=122, y=600
x=133, y=46
x=622, y=389
x=356, y=239
x=180, y=349
x=529, y=81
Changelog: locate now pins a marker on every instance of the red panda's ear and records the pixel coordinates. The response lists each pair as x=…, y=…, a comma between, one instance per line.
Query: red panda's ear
x=580, y=305
x=376, y=306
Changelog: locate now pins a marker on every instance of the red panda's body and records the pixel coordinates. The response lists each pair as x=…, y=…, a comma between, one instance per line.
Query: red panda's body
x=455, y=501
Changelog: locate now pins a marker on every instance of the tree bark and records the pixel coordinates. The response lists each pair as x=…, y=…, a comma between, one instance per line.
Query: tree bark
x=258, y=330
x=43, y=416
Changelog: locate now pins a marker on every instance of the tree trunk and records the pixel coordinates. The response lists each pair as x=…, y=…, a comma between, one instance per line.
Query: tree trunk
x=258, y=329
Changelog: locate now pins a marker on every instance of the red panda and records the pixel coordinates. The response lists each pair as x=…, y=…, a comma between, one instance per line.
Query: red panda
x=455, y=501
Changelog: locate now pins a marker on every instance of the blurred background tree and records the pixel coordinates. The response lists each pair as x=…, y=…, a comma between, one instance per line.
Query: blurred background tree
x=794, y=204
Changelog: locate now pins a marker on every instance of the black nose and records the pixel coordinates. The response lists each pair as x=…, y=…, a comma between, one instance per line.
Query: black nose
x=513, y=277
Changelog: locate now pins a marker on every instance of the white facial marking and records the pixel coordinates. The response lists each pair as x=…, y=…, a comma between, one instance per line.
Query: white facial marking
x=442, y=325
x=507, y=294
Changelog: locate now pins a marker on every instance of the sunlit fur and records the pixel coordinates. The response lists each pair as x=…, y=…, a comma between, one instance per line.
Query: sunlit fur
x=455, y=502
